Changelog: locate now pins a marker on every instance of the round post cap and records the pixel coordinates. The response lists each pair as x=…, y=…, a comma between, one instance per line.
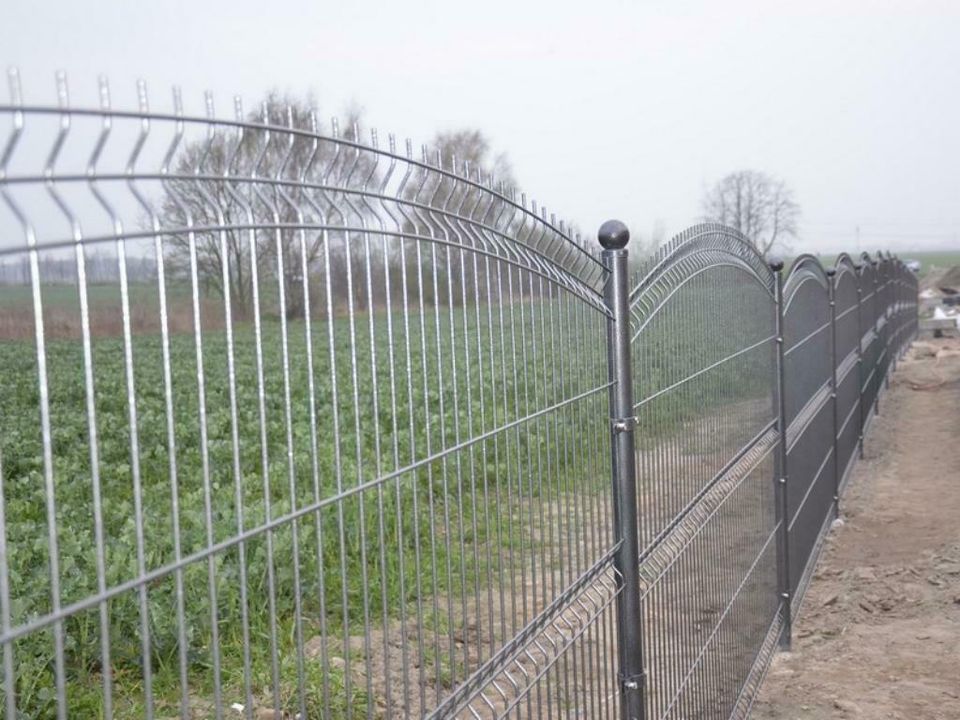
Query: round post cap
x=775, y=263
x=613, y=235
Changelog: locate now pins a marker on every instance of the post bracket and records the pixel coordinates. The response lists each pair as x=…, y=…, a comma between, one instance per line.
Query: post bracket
x=626, y=424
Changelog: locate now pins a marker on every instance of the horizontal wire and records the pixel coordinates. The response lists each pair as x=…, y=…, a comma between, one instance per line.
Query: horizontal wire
x=700, y=372
x=810, y=487
x=807, y=338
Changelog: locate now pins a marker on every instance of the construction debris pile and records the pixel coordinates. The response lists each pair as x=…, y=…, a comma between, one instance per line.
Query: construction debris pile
x=940, y=301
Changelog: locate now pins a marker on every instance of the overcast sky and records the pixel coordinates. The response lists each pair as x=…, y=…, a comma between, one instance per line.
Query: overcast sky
x=605, y=108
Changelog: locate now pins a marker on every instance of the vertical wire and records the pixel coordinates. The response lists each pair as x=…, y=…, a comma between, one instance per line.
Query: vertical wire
x=378, y=465
x=511, y=565
x=583, y=528
x=553, y=378
x=132, y=421
x=291, y=467
x=405, y=292
x=548, y=549
x=43, y=389
x=431, y=501
x=9, y=678
x=94, y=451
x=498, y=514
x=172, y=471
x=264, y=443
x=314, y=457
x=455, y=258
x=484, y=458
x=520, y=358
x=338, y=463
x=448, y=253
x=205, y=464
x=395, y=449
x=93, y=446
x=358, y=459
x=576, y=475
x=235, y=429
x=464, y=256
x=444, y=474
x=515, y=524
x=560, y=476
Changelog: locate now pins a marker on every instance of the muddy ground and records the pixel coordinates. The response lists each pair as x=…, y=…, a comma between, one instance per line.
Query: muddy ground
x=878, y=635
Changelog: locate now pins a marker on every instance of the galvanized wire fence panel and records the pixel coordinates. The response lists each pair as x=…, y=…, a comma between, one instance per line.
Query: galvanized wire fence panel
x=293, y=422
x=296, y=423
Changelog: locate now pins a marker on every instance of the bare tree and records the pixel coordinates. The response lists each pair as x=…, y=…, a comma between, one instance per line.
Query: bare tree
x=760, y=206
x=235, y=188
x=289, y=186
x=470, y=171
x=471, y=147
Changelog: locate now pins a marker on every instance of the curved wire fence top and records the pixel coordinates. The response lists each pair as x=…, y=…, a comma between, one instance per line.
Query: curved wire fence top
x=699, y=247
x=806, y=338
x=844, y=264
x=132, y=174
x=805, y=268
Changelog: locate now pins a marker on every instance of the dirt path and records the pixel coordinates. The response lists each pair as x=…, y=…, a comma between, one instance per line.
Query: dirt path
x=879, y=632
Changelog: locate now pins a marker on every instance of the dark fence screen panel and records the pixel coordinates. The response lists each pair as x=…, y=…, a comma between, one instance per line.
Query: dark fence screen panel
x=808, y=339
x=704, y=338
x=847, y=361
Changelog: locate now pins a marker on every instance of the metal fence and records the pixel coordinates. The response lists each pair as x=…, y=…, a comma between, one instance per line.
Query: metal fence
x=295, y=425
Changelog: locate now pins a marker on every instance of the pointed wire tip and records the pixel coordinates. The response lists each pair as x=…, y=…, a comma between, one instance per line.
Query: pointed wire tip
x=142, y=98
x=13, y=83
x=63, y=96
x=103, y=87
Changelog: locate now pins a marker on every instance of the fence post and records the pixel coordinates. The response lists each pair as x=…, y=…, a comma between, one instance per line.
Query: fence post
x=780, y=479
x=894, y=294
x=832, y=291
x=858, y=267
x=876, y=332
x=613, y=236
x=887, y=317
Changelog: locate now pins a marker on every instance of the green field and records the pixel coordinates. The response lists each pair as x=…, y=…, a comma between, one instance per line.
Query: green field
x=370, y=553
x=357, y=556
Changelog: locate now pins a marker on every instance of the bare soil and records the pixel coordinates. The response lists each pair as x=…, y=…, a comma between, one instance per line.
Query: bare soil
x=878, y=634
